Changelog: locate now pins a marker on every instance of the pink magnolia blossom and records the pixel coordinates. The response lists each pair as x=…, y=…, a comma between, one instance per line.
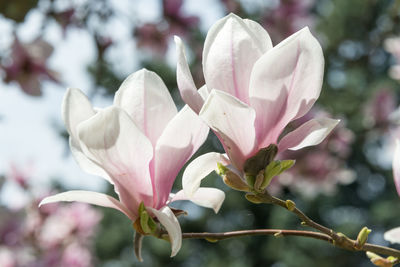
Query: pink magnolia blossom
x=379, y=110
x=393, y=235
x=252, y=91
x=179, y=23
x=138, y=144
x=288, y=17
x=27, y=66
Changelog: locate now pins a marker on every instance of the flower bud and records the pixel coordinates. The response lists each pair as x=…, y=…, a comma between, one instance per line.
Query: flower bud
x=231, y=179
x=362, y=237
x=290, y=205
x=379, y=261
x=145, y=224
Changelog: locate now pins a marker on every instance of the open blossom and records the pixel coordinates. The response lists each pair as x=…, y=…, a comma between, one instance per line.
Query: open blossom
x=252, y=91
x=393, y=235
x=27, y=65
x=139, y=144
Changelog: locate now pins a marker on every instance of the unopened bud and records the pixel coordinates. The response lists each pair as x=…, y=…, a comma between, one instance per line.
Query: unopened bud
x=212, y=240
x=290, y=205
x=259, y=181
x=221, y=169
x=231, y=179
x=145, y=225
x=278, y=234
x=379, y=261
x=362, y=238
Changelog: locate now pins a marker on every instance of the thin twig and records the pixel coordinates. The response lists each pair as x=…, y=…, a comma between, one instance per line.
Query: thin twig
x=276, y=232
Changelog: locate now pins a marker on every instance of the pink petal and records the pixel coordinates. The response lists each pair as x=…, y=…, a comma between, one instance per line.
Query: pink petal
x=310, y=133
x=171, y=224
x=144, y=96
x=396, y=166
x=198, y=169
x=231, y=48
x=112, y=140
x=284, y=84
x=205, y=196
x=233, y=123
x=89, y=197
x=185, y=81
x=182, y=137
x=393, y=235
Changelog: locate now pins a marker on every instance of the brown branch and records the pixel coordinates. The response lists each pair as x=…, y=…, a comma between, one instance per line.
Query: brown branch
x=346, y=243
x=267, y=198
x=337, y=239
x=276, y=232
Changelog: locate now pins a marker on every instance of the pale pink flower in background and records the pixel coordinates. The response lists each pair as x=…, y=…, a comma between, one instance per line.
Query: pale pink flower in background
x=77, y=219
x=150, y=35
x=28, y=67
x=179, y=22
x=288, y=17
x=7, y=258
x=252, y=91
x=139, y=144
x=76, y=255
x=379, y=109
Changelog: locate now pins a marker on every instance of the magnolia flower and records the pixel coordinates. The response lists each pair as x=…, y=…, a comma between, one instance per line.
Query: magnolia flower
x=139, y=144
x=252, y=91
x=28, y=67
x=393, y=235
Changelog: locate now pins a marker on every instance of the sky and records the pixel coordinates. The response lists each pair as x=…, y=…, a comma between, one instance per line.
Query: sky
x=28, y=125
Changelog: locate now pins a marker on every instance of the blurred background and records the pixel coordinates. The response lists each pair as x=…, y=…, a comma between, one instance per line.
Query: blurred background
x=345, y=183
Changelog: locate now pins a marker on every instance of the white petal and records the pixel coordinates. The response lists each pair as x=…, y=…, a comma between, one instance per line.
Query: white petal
x=198, y=169
x=170, y=222
x=144, y=96
x=233, y=123
x=185, y=81
x=393, y=235
x=182, y=137
x=396, y=166
x=85, y=163
x=231, y=48
x=285, y=82
x=89, y=197
x=204, y=196
x=112, y=140
x=310, y=133
x=76, y=108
